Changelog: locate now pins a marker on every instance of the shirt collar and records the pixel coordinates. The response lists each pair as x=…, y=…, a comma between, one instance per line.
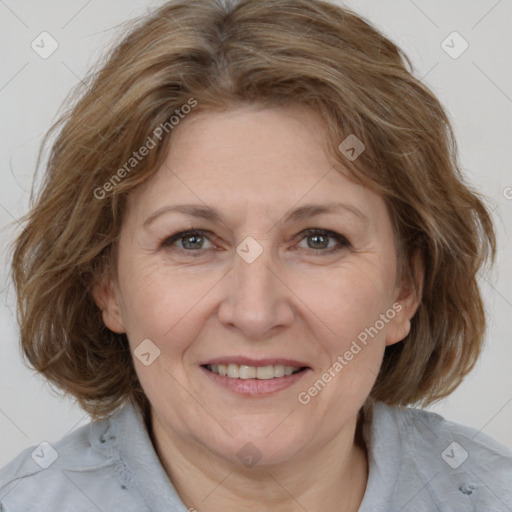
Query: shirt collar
x=383, y=447
x=138, y=453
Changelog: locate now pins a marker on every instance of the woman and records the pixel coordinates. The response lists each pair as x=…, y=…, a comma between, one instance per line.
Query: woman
x=252, y=250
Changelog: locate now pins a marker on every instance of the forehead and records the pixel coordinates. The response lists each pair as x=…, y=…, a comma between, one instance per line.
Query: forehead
x=254, y=158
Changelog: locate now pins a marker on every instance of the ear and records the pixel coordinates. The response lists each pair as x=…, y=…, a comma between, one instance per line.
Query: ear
x=408, y=299
x=105, y=295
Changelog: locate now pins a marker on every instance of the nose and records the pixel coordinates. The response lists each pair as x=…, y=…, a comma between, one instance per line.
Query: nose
x=256, y=298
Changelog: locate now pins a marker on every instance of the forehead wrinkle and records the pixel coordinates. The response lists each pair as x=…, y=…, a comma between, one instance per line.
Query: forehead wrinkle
x=301, y=213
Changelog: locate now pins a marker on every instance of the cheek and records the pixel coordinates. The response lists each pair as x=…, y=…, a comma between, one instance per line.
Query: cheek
x=349, y=301
x=159, y=303
x=349, y=347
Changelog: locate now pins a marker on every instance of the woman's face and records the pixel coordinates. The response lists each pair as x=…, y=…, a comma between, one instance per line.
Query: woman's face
x=251, y=292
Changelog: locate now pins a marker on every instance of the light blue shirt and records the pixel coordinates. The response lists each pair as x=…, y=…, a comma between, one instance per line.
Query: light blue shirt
x=418, y=462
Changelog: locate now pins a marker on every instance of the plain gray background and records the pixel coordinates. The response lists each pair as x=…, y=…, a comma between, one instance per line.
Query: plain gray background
x=475, y=87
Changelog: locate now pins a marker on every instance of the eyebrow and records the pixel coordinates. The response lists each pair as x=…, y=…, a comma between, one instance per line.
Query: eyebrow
x=298, y=214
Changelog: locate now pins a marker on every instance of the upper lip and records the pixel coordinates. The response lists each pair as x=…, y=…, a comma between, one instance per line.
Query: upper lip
x=247, y=361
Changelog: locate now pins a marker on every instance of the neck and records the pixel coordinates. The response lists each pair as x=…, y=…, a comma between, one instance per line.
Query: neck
x=332, y=478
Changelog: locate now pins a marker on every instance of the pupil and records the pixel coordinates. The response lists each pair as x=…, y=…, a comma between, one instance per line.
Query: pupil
x=193, y=238
x=317, y=237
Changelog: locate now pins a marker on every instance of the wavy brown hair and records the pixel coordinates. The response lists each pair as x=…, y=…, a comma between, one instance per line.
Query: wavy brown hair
x=224, y=54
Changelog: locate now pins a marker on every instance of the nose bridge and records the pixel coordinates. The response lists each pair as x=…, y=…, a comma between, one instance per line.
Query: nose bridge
x=253, y=273
x=253, y=267
x=255, y=299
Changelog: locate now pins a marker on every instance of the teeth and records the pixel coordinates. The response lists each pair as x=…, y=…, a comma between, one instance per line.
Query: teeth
x=279, y=370
x=248, y=372
x=265, y=372
x=235, y=371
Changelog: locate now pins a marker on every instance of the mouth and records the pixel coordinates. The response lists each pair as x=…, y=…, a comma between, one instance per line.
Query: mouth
x=244, y=372
x=253, y=378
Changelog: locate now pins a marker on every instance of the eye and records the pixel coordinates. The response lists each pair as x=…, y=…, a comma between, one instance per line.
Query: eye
x=191, y=241
x=319, y=240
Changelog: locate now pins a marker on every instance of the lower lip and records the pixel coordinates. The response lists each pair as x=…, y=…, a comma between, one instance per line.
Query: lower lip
x=255, y=387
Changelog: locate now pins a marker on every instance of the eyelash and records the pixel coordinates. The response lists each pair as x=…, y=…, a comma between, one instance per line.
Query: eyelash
x=343, y=242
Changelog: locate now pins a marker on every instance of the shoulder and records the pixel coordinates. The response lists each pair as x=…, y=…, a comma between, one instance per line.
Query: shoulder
x=81, y=471
x=455, y=463
x=465, y=443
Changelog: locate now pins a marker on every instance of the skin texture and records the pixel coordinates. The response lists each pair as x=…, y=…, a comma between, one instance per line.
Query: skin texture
x=295, y=301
